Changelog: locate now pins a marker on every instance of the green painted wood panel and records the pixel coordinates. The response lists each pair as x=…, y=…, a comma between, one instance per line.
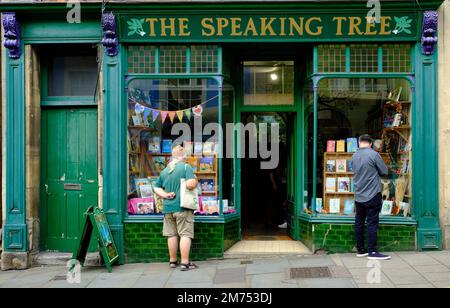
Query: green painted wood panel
x=69, y=156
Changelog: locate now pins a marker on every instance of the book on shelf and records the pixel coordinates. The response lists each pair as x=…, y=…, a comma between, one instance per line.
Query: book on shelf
x=225, y=205
x=154, y=145
x=349, y=206
x=159, y=163
x=207, y=185
x=319, y=205
x=166, y=147
x=344, y=184
x=208, y=148
x=386, y=209
x=340, y=146
x=350, y=165
x=198, y=148
x=352, y=145
x=144, y=208
x=207, y=164
x=330, y=184
x=394, y=96
x=137, y=120
x=193, y=161
x=146, y=191
x=331, y=146
x=331, y=165
x=341, y=165
x=209, y=205
x=335, y=206
x=141, y=182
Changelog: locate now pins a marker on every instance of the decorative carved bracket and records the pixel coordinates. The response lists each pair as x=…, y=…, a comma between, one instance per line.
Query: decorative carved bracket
x=429, y=32
x=110, y=37
x=11, y=30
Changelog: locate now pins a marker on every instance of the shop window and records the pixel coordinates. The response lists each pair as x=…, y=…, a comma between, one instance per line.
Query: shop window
x=331, y=58
x=204, y=59
x=364, y=58
x=347, y=109
x=72, y=72
x=172, y=59
x=141, y=59
x=397, y=58
x=155, y=106
x=269, y=83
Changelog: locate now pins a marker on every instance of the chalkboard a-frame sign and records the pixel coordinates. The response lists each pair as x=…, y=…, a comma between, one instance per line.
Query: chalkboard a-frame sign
x=96, y=223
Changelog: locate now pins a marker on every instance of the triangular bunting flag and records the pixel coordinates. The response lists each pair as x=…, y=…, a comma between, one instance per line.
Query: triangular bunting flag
x=171, y=116
x=146, y=115
x=188, y=113
x=155, y=114
x=163, y=116
x=180, y=115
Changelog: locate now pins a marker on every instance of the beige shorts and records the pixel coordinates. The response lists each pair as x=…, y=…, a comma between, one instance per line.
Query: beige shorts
x=179, y=224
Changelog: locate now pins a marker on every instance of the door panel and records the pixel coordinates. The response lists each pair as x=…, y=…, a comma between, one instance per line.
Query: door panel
x=69, y=175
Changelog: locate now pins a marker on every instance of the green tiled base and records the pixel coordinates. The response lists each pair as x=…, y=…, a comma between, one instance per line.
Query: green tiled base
x=336, y=238
x=144, y=241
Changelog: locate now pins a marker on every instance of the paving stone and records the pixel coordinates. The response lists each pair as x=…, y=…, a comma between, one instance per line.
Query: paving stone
x=313, y=261
x=193, y=276
x=152, y=280
x=190, y=285
x=415, y=286
x=268, y=266
x=435, y=277
x=418, y=259
x=442, y=284
x=230, y=275
x=401, y=276
x=114, y=281
x=360, y=276
x=273, y=280
x=376, y=286
x=329, y=283
x=431, y=268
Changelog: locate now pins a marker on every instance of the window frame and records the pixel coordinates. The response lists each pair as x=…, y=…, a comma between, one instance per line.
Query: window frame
x=315, y=80
x=219, y=79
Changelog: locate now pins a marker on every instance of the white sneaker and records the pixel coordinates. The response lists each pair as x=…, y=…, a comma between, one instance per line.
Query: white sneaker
x=283, y=226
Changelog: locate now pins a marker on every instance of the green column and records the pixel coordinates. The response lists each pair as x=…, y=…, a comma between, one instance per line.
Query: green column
x=425, y=153
x=114, y=148
x=15, y=230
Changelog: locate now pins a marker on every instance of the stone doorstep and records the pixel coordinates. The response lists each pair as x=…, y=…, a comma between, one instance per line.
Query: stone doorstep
x=61, y=259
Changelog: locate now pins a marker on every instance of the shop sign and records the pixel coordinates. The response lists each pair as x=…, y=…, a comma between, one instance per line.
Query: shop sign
x=270, y=27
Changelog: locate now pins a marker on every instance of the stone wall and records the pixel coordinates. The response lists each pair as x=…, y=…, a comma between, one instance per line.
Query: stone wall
x=444, y=123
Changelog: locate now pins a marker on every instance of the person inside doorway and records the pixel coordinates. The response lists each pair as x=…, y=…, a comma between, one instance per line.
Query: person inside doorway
x=368, y=166
x=178, y=222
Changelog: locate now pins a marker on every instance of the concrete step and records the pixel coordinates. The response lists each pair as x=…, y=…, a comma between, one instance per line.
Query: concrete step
x=62, y=259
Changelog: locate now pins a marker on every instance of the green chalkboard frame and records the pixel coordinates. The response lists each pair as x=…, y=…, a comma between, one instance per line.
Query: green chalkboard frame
x=96, y=224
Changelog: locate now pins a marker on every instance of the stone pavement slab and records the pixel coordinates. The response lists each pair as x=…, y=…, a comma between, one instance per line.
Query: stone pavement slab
x=327, y=283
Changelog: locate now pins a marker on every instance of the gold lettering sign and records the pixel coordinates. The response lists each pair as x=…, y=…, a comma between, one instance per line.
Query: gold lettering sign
x=291, y=27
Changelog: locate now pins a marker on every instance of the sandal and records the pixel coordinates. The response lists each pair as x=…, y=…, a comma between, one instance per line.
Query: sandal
x=187, y=267
x=173, y=264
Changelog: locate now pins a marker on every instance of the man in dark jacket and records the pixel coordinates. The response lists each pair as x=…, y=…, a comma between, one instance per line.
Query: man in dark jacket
x=368, y=166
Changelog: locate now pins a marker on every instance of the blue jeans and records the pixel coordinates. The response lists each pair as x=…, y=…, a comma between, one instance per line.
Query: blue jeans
x=370, y=212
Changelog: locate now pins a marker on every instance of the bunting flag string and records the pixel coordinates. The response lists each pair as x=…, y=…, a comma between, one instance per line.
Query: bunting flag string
x=155, y=113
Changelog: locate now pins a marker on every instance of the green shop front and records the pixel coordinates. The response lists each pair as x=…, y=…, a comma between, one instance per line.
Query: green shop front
x=267, y=99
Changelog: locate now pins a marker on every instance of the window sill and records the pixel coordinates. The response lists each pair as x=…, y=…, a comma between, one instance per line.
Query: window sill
x=384, y=220
x=198, y=218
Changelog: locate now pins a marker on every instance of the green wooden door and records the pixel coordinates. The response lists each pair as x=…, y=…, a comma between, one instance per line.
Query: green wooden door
x=69, y=175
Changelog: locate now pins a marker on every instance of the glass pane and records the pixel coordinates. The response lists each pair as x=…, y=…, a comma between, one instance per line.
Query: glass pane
x=204, y=59
x=229, y=206
x=397, y=58
x=331, y=58
x=72, y=75
x=364, y=58
x=349, y=108
x=141, y=60
x=269, y=83
x=164, y=113
x=172, y=59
